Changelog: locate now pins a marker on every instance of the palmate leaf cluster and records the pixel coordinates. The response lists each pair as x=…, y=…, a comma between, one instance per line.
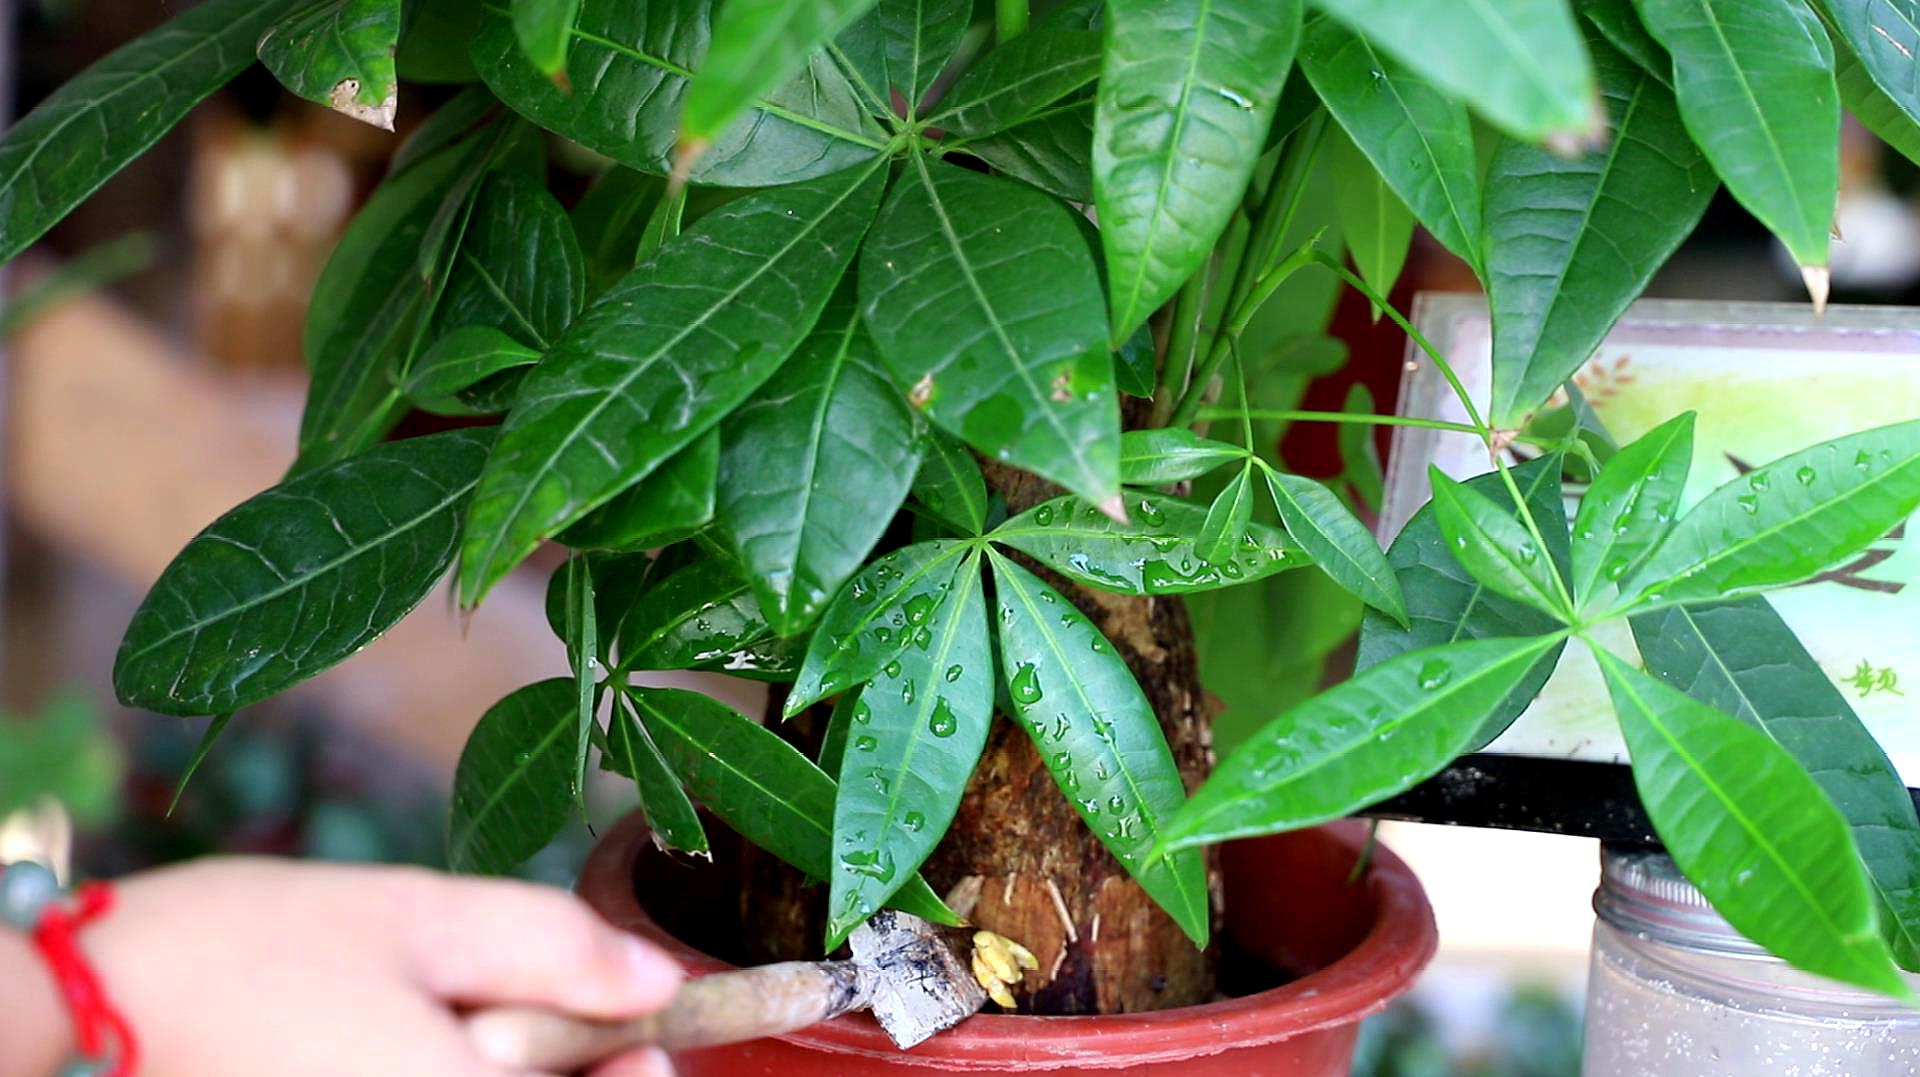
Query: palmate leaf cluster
x=845, y=250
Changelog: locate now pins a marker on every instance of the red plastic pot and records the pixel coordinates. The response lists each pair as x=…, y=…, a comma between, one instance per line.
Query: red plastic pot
x=1353, y=947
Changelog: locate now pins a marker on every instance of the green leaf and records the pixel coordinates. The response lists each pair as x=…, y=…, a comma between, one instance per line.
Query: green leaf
x=298, y=578
x=813, y=467
x=1786, y=520
x=1445, y=604
x=583, y=647
x=463, y=116
x=339, y=53
x=1267, y=646
x=1359, y=455
x=1756, y=89
x=1631, y=505
x=759, y=785
x=697, y=614
x=950, y=485
x=672, y=503
x=434, y=46
x=1495, y=546
x=107, y=115
x=200, y=752
x=755, y=46
x=1621, y=26
x=1133, y=363
x=518, y=267
x=1174, y=454
x=618, y=581
x=1099, y=736
x=1227, y=520
x=1752, y=831
x=631, y=751
x=1377, y=226
x=463, y=360
x=1052, y=151
x=65, y=752
x=1879, y=39
x=985, y=305
x=1418, y=140
x=905, y=44
x=544, y=29
x=631, y=64
x=1517, y=62
x=1017, y=80
x=833, y=743
x=1156, y=552
x=1390, y=727
x=1742, y=659
x=610, y=220
x=1186, y=94
x=1875, y=107
x=914, y=738
x=1572, y=241
x=659, y=359
x=370, y=308
x=663, y=224
x=514, y=781
x=1337, y=541
x=873, y=619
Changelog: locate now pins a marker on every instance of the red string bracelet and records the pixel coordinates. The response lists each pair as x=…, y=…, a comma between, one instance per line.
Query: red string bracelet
x=100, y=1031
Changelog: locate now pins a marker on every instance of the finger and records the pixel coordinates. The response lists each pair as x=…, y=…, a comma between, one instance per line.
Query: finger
x=498, y=941
x=647, y=1062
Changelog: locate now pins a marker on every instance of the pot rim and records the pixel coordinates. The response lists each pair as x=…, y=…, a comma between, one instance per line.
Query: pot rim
x=1397, y=946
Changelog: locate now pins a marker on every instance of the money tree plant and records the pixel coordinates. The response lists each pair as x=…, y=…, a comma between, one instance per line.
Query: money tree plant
x=909, y=356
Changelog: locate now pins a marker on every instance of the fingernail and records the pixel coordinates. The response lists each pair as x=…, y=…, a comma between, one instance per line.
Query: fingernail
x=650, y=964
x=655, y=1063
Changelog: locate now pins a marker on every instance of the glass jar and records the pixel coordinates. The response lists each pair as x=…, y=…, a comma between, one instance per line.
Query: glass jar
x=1674, y=991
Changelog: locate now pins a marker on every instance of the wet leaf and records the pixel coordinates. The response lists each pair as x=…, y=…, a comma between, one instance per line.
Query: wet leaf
x=1752, y=831
x=912, y=742
x=1495, y=546
x=1630, y=505
x=648, y=369
x=339, y=53
x=102, y=118
x=758, y=784
x=1337, y=541
x=812, y=468
x=987, y=311
x=1445, y=604
x=698, y=614
x=864, y=627
x=299, y=577
x=1187, y=91
x=515, y=779
x=463, y=360
x=1742, y=659
x=1392, y=726
x=1227, y=520
x=1099, y=736
x=581, y=635
x=1786, y=520
x=1156, y=552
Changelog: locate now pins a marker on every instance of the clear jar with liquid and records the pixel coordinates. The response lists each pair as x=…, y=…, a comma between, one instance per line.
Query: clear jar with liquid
x=1674, y=991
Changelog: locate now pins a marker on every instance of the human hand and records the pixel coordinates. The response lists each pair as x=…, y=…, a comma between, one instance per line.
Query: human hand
x=251, y=966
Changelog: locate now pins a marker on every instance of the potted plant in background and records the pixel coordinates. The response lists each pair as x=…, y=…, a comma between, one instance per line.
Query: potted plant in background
x=833, y=380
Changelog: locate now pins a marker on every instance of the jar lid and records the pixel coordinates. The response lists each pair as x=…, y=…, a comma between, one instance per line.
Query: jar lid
x=1642, y=891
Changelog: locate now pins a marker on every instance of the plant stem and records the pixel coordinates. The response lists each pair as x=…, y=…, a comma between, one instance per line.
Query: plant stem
x=1539, y=538
x=1293, y=415
x=1196, y=389
x=1182, y=337
x=1009, y=19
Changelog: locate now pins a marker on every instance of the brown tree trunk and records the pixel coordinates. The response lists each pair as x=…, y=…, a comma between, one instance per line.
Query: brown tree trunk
x=1018, y=859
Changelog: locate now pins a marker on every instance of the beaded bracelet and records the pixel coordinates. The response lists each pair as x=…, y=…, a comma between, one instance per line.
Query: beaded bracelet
x=30, y=900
